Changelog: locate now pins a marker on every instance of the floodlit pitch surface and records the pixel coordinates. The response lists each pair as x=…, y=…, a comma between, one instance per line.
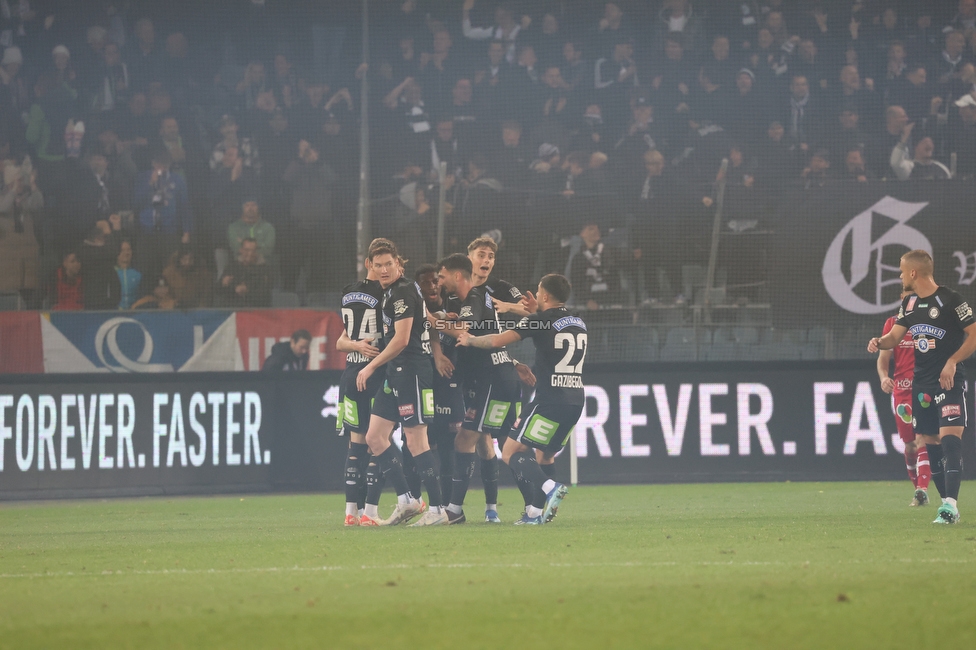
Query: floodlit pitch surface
x=799, y=565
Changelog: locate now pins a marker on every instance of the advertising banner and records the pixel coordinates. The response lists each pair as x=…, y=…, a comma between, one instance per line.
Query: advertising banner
x=836, y=249
x=257, y=331
x=798, y=421
x=159, y=341
x=112, y=435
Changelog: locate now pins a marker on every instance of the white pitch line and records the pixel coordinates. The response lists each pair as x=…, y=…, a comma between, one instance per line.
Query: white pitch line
x=393, y=567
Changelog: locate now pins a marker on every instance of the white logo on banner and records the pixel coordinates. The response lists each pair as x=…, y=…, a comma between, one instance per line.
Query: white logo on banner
x=867, y=256
x=966, y=268
x=107, y=337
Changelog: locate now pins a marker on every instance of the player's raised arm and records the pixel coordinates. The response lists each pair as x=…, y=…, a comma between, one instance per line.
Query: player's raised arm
x=489, y=341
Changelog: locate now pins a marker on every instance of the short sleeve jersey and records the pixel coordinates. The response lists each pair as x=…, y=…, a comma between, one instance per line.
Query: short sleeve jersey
x=403, y=300
x=937, y=325
x=505, y=292
x=478, y=310
x=904, y=357
x=361, y=315
x=560, y=342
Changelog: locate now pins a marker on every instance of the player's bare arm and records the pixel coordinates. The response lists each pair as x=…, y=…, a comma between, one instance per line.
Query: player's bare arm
x=502, y=307
x=489, y=341
x=947, y=377
x=365, y=348
x=444, y=366
x=884, y=363
x=397, y=344
x=889, y=340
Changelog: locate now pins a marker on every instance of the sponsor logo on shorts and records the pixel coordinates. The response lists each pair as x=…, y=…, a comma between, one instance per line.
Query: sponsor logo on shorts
x=903, y=384
x=469, y=414
x=924, y=399
x=904, y=412
x=951, y=409
x=406, y=410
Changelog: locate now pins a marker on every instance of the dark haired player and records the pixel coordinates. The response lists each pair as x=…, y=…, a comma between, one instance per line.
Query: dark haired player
x=448, y=400
x=489, y=379
x=900, y=387
x=361, y=317
x=407, y=396
x=561, y=342
x=944, y=330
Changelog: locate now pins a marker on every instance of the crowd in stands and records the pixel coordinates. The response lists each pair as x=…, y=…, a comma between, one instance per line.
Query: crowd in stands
x=206, y=154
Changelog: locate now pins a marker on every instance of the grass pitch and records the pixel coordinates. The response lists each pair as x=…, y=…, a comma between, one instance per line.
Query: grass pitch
x=796, y=565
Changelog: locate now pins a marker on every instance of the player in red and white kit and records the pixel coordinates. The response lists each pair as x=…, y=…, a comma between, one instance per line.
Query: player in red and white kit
x=900, y=389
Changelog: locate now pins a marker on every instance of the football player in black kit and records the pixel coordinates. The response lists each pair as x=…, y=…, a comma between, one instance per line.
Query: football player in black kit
x=561, y=341
x=489, y=380
x=407, y=396
x=448, y=400
x=362, y=317
x=944, y=330
x=507, y=299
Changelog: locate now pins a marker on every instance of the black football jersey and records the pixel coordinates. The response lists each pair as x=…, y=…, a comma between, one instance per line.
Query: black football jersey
x=478, y=310
x=403, y=300
x=505, y=292
x=361, y=315
x=937, y=325
x=560, y=347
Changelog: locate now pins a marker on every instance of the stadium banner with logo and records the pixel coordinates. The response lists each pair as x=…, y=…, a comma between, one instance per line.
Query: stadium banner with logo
x=142, y=434
x=836, y=249
x=160, y=341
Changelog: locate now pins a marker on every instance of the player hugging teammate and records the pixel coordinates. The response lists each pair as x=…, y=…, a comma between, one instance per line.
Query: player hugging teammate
x=403, y=375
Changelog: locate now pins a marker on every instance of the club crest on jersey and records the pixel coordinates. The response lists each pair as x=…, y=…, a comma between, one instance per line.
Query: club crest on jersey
x=399, y=307
x=358, y=296
x=934, y=312
x=465, y=312
x=964, y=311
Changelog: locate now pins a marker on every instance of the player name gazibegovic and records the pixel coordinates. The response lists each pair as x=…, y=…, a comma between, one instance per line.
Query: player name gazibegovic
x=566, y=381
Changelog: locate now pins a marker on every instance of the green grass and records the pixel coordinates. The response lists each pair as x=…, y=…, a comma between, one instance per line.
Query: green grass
x=796, y=565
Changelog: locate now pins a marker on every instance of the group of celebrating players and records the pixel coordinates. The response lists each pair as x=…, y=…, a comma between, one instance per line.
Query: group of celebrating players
x=933, y=333
x=429, y=354
x=454, y=392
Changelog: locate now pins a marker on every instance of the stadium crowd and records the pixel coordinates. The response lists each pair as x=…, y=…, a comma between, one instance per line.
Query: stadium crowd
x=206, y=154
